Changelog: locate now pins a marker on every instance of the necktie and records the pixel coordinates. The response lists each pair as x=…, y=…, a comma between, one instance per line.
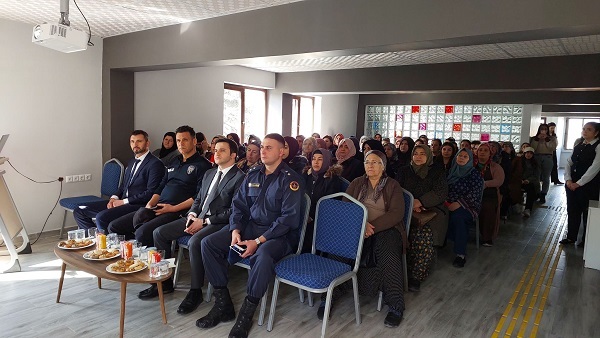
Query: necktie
x=211, y=195
x=133, y=171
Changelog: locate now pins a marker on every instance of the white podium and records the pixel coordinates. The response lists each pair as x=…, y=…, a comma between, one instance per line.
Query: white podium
x=11, y=226
x=591, y=251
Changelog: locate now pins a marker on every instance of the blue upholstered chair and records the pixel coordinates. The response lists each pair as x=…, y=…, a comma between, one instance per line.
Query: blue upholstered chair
x=409, y=200
x=345, y=184
x=245, y=263
x=112, y=175
x=339, y=230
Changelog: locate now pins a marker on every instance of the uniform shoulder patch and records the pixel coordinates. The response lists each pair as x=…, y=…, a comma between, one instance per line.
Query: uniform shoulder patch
x=294, y=186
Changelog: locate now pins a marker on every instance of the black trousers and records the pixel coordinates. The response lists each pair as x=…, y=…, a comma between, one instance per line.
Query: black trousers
x=577, y=208
x=554, y=174
x=140, y=225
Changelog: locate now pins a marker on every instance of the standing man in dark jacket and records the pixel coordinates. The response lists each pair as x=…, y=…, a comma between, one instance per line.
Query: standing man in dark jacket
x=142, y=176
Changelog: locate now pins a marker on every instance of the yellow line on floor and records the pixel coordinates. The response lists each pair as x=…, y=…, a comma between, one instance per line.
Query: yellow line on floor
x=543, y=256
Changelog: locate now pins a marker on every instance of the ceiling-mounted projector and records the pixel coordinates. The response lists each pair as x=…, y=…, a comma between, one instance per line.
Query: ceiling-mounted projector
x=59, y=37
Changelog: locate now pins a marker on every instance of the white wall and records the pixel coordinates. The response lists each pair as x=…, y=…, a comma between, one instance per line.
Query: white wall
x=50, y=104
x=338, y=114
x=167, y=99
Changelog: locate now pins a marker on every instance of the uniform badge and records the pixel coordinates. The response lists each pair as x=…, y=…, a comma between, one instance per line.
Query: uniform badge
x=294, y=186
x=190, y=169
x=253, y=185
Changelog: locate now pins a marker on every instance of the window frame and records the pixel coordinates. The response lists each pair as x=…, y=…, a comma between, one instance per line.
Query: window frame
x=242, y=90
x=296, y=129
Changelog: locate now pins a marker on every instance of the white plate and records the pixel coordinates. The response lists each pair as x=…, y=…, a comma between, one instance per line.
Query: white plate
x=108, y=269
x=87, y=256
x=81, y=247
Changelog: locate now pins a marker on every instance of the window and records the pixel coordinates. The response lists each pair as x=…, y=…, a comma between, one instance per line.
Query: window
x=573, y=130
x=244, y=111
x=303, y=110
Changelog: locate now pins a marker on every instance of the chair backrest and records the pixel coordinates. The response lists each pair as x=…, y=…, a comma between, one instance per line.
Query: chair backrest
x=340, y=227
x=345, y=184
x=112, y=175
x=305, y=207
x=409, y=200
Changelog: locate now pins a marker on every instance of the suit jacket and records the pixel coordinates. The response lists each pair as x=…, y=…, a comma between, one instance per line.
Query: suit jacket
x=146, y=180
x=220, y=206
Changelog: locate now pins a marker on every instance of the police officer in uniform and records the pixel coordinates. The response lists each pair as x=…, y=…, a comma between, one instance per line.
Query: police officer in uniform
x=266, y=220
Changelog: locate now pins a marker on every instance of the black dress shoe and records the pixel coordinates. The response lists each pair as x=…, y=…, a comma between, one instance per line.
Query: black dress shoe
x=459, y=262
x=222, y=311
x=191, y=302
x=152, y=291
x=414, y=285
x=393, y=319
x=566, y=241
x=243, y=324
x=558, y=183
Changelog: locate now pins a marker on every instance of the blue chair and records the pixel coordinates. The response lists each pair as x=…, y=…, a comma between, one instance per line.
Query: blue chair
x=245, y=263
x=345, y=184
x=339, y=230
x=112, y=175
x=409, y=200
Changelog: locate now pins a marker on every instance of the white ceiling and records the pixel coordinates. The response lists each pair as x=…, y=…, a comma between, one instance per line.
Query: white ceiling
x=115, y=17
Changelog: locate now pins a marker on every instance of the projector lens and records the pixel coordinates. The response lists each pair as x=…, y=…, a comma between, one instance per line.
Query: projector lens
x=37, y=32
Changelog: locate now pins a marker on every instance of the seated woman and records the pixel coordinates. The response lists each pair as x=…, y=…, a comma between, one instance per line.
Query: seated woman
x=321, y=179
x=241, y=149
x=405, y=151
x=297, y=162
x=384, y=202
x=391, y=154
x=507, y=157
x=445, y=160
x=168, y=149
x=428, y=185
x=493, y=176
x=465, y=186
x=352, y=168
x=308, y=146
x=525, y=175
x=252, y=157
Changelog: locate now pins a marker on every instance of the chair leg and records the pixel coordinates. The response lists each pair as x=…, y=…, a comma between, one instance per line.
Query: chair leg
x=310, y=299
x=301, y=294
x=327, y=310
x=273, y=305
x=177, y=267
x=405, y=268
x=380, y=301
x=356, y=299
x=62, y=228
x=209, y=291
x=477, y=233
x=263, y=308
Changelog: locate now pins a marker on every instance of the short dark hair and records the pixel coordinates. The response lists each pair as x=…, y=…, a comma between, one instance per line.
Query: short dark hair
x=551, y=124
x=465, y=140
x=200, y=136
x=186, y=129
x=233, y=147
x=475, y=142
x=437, y=140
x=276, y=137
x=140, y=132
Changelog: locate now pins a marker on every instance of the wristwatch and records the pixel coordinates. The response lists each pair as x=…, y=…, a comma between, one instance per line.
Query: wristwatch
x=257, y=240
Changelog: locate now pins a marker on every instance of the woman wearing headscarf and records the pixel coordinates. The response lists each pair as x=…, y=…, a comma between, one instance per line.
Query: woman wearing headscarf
x=321, y=179
x=359, y=154
x=465, y=186
x=507, y=156
x=392, y=167
x=241, y=149
x=405, y=151
x=493, y=176
x=168, y=149
x=362, y=140
x=308, y=146
x=385, y=204
x=252, y=157
x=525, y=175
x=296, y=162
x=544, y=146
x=428, y=185
x=448, y=152
x=372, y=144
x=352, y=168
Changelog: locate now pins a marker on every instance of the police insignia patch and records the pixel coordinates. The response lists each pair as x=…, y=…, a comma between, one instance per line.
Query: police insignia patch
x=294, y=186
x=190, y=169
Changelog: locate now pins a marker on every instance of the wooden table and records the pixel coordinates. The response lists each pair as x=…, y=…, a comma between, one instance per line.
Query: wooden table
x=98, y=269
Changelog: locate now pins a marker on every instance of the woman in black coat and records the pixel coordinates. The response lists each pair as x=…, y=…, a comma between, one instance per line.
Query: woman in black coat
x=296, y=162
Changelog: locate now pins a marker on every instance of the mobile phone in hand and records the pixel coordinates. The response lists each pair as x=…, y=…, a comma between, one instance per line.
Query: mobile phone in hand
x=240, y=249
x=189, y=222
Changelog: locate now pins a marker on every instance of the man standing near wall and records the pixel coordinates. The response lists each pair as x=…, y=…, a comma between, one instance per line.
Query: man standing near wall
x=142, y=176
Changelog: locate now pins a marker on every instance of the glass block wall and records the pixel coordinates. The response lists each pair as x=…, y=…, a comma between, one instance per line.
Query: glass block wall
x=472, y=122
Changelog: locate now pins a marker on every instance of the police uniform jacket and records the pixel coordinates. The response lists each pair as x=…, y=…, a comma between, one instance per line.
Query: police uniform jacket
x=182, y=179
x=271, y=201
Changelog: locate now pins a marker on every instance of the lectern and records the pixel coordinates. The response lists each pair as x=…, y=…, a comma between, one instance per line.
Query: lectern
x=11, y=224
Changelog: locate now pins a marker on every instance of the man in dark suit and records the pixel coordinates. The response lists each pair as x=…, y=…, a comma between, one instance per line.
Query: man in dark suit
x=142, y=176
x=209, y=213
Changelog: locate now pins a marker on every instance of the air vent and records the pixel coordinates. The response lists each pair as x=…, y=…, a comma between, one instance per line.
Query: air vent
x=53, y=29
x=62, y=31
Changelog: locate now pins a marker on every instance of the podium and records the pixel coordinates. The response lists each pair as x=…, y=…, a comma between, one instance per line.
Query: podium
x=11, y=226
x=591, y=251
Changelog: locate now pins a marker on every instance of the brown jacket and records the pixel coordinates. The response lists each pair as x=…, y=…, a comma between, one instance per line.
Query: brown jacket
x=394, y=206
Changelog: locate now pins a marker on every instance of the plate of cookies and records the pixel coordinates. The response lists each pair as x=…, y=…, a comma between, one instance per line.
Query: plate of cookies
x=123, y=267
x=73, y=244
x=101, y=255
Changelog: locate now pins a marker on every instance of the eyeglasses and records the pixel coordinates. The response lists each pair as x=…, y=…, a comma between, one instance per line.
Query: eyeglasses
x=373, y=162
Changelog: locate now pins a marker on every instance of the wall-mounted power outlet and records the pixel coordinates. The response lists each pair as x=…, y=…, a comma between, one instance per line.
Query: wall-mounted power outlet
x=75, y=178
x=81, y=178
x=69, y=179
x=88, y=177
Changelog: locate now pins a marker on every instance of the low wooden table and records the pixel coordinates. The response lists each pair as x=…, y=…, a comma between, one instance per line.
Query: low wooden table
x=98, y=269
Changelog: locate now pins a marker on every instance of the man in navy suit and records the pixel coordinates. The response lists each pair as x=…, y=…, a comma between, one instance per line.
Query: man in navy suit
x=209, y=213
x=142, y=177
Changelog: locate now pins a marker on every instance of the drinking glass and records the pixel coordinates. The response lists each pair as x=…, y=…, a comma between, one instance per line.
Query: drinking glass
x=72, y=235
x=112, y=241
x=92, y=232
x=163, y=268
x=80, y=235
x=154, y=270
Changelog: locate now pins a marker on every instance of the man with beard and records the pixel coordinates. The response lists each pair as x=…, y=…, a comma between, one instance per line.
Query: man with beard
x=142, y=176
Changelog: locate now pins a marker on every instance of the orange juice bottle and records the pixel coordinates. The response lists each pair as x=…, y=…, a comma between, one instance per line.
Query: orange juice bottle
x=100, y=241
